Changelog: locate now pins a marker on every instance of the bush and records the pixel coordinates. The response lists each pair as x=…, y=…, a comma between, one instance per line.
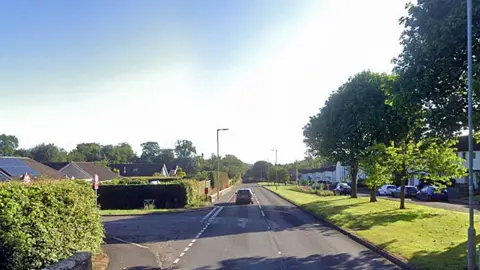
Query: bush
x=138, y=180
x=310, y=190
x=47, y=221
x=223, y=179
x=176, y=194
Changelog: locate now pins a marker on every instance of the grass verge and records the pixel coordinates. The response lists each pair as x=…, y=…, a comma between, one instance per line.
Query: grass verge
x=427, y=237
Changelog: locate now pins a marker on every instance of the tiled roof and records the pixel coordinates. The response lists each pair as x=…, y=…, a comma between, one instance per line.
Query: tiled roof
x=93, y=168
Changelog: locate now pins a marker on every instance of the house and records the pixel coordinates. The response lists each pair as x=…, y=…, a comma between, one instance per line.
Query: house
x=462, y=152
x=332, y=173
x=17, y=167
x=83, y=170
x=144, y=169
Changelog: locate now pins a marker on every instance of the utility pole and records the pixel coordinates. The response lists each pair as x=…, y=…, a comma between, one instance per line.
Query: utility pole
x=471, y=228
x=268, y=171
x=218, y=162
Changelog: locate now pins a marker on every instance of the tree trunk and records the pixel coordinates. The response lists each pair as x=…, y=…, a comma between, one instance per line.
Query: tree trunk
x=353, y=175
x=402, y=190
x=373, y=194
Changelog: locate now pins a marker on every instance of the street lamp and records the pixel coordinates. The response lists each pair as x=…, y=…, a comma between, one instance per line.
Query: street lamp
x=276, y=169
x=218, y=162
x=471, y=228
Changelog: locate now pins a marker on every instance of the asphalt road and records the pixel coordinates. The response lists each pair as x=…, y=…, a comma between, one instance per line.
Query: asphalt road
x=269, y=234
x=273, y=234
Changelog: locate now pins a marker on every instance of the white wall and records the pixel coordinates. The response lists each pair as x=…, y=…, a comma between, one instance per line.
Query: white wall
x=476, y=164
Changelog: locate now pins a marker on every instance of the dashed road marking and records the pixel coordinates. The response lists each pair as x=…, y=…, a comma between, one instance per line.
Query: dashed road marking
x=211, y=216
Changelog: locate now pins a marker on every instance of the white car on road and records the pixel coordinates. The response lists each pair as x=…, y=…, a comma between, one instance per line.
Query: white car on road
x=386, y=190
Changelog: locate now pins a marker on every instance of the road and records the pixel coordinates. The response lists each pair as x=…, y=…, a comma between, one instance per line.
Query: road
x=269, y=234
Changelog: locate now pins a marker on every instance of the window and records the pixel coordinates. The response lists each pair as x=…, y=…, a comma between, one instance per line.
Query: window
x=474, y=155
x=464, y=155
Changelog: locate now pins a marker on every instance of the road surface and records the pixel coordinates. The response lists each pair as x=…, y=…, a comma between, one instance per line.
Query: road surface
x=273, y=234
x=269, y=234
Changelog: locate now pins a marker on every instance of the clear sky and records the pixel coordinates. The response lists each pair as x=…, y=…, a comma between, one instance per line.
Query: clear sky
x=133, y=71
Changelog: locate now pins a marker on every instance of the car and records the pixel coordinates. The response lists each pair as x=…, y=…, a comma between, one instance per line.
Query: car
x=432, y=193
x=244, y=196
x=342, y=189
x=410, y=192
x=386, y=190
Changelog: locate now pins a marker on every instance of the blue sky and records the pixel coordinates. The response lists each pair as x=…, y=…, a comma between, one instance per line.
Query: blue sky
x=134, y=71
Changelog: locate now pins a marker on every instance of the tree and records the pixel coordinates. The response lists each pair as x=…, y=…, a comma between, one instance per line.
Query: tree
x=74, y=155
x=375, y=166
x=260, y=170
x=91, y=151
x=184, y=149
x=124, y=153
x=440, y=161
x=8, y=144
x=22, y=153
x=166, y=156
x=150, y=150
x=433, y=65
x=48, y=153
x=280, y=172
x=233, y=166
x=354, y=118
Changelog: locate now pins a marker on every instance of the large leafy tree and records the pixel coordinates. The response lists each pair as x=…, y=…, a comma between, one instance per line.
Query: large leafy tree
x=48, y=153
x=354, y=118
x=233, y=166
x=260, y=170
x=91, y=151
x=166, y=156
x=433, y=65
x=150, y=151
x=8, y=144
x=120, y=153
x=280, y=173
x=185, y=149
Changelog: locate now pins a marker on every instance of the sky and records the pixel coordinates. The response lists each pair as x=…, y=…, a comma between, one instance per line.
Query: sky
x=133, y=71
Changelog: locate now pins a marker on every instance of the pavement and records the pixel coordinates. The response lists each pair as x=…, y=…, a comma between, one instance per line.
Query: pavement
x=269, y=234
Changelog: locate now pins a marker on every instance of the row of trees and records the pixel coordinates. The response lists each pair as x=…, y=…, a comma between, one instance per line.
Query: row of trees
x=393, y=126
x=183, y=154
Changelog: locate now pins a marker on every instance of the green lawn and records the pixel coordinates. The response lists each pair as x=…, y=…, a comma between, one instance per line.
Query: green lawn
x=429, y=238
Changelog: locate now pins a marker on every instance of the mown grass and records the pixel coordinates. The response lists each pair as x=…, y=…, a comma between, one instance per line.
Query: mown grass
x=429, y=238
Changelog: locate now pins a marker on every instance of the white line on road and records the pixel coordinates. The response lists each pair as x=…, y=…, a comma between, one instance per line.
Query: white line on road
x=209, y=213
x=263, y=214
x=231, y=197
x=214, y=214
x=128, y=242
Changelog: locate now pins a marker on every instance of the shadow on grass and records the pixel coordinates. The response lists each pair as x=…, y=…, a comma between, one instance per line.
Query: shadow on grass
x=449, y=259
x=345, y=216
x=365, y=260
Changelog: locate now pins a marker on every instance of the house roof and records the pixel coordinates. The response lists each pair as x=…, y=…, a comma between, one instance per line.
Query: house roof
x=89, y=169
x=140, y=169
x=56, y=165
x=462, y=145
x=16, y=167
x=323, y=169
x=4, y=176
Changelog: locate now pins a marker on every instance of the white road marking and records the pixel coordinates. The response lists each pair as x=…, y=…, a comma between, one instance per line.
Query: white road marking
x=231, y=197
x=263, y=214
x=212, y=217
x=209, y=213
x=128, y=242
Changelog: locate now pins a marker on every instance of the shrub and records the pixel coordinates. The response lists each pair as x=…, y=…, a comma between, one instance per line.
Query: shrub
x=223, y=179
x=176, y=194
x=47, y=221
x=310, y=190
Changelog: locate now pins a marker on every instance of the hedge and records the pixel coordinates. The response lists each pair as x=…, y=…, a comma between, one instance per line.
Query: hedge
x=138, y=180
x=47, y=221
x=169, y=195
x=223, y=179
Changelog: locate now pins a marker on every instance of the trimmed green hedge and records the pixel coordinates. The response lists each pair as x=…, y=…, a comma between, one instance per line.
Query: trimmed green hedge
x=47, y=221
x=168, y=195
x=138, y=180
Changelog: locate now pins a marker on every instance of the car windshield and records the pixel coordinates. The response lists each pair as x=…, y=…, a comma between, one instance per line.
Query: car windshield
x=391, y=187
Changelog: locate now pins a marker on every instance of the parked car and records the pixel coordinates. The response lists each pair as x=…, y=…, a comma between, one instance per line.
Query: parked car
x=244, y=195
x=432, y=193
x=410, y=192
x=342, y=189
x=386, y=190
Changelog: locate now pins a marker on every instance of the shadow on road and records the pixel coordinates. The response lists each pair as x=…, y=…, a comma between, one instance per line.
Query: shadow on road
x=339, y=261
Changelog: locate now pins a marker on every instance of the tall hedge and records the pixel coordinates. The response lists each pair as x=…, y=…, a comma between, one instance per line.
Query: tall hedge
x=44, y=222
x=176, y=194
x=223, y=179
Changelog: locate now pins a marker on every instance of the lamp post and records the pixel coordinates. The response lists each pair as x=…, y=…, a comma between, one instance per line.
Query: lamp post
x=276, y=169
x=471, y=228
x=218, y=161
